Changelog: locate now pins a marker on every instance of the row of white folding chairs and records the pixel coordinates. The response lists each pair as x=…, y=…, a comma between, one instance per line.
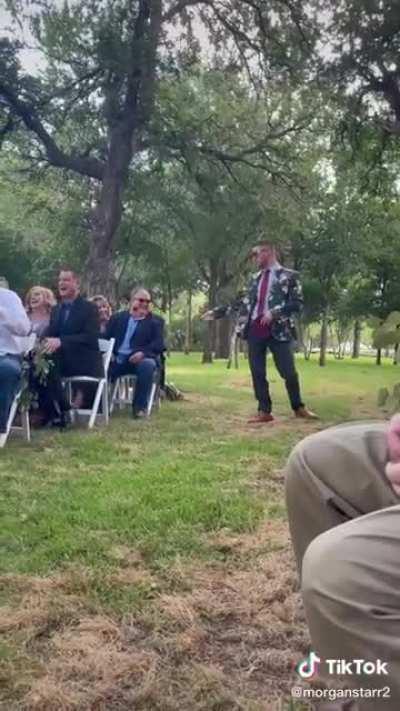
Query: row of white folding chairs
x=27, y=344
x=110, y=395
x=119, y=393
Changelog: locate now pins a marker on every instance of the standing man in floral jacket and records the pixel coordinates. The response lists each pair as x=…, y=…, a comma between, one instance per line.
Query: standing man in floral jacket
x=273, y=297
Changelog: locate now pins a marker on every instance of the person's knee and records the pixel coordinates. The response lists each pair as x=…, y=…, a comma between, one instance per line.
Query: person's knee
x=10, y=371
x=329, y=570
x=315, y=451
x=146, y=366
x=296, y=466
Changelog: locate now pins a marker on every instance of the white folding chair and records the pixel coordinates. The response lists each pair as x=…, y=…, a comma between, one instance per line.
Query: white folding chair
x=122, y=391
x=27, y=345
x=155, y=394
x=106, y=348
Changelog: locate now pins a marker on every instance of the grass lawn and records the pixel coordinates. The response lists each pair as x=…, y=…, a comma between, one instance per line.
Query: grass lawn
x=147, y=565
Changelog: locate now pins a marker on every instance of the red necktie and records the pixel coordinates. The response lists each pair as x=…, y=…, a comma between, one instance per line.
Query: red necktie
x=262, y=294
x=256, y=328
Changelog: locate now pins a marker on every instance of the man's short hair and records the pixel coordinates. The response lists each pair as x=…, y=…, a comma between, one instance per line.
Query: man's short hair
x=71, y=270
x=265, y=243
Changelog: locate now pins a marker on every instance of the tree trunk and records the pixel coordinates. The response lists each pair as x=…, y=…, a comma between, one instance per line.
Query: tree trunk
x=307, y=343
x=164, y=302
x=324, y=339
x=128, y=107
x=396, y=359
x=208, y=345
x=357, y=338
x=300, y=335
x=223, y=330
x=188, y=333
x=124, y=133
x=379, y=356
x=209, y=342
x=107, y=214
x=234, y=347
x=237, y=348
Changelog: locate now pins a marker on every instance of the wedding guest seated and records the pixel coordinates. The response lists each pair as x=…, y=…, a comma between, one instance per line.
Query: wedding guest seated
x=72, y=340
x=13, y=323
x=139, y=343
x=38, y=304
x=105, y=312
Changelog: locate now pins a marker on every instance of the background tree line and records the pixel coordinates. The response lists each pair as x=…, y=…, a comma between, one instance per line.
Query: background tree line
x=158, y=140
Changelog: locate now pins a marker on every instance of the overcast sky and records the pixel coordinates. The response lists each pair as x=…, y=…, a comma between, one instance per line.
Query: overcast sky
x=30, y=58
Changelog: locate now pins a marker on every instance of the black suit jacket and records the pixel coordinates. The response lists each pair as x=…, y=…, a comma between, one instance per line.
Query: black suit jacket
x=79, y=353
x=148, y=337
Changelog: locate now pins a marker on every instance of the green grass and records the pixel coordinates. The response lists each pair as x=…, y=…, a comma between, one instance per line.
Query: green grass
x=156, y=502
x=161, y=486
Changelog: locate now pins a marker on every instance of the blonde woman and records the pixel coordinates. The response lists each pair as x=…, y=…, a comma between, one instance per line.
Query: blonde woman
x=48, y=394
x=38, y=303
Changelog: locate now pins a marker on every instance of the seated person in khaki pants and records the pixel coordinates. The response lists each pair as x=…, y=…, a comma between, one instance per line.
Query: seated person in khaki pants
x=344, y=517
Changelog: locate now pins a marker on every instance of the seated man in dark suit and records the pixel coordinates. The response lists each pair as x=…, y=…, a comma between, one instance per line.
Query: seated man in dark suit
x=139, y=343
x=72, y=340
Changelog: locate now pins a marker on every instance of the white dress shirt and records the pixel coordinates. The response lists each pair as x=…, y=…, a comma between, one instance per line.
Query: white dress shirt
x=13, y=322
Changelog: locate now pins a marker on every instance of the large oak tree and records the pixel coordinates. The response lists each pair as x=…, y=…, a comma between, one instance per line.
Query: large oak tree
x=91, y=107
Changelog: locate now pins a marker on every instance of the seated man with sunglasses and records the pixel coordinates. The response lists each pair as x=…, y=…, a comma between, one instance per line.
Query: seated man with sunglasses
x=139, y=343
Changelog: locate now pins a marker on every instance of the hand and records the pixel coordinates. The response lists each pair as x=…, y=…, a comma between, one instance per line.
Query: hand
x=266, y=319
x=392, y=469
x=208, y=316
x=51, y=345
x=136, y=357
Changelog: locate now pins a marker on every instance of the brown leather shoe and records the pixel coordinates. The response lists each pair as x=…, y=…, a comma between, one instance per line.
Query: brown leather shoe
x=262, y=418
x=305, y=414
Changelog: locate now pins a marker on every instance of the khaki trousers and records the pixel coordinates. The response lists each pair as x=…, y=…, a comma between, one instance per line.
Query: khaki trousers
x=345, y=525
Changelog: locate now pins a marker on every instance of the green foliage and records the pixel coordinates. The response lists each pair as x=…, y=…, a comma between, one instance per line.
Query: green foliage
x=42, y=224
x=389, y=400
x=36, y=367
x=176, y=333
x=387, y=333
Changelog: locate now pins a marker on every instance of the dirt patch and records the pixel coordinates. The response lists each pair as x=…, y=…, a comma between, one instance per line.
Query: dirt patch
x=283, y=424
x=220, y=636
x=274, y=534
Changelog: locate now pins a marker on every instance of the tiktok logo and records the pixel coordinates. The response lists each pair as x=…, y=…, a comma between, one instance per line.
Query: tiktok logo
x=309, y=666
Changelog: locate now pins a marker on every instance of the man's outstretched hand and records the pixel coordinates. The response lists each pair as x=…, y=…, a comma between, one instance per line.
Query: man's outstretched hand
x=393, y=466
x=208, y=316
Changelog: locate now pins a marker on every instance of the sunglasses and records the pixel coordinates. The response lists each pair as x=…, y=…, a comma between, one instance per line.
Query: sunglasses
x=143, y=301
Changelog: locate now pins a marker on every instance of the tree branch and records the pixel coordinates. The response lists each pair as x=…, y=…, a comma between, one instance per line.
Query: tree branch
x=90, y=167
x=180, y=6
